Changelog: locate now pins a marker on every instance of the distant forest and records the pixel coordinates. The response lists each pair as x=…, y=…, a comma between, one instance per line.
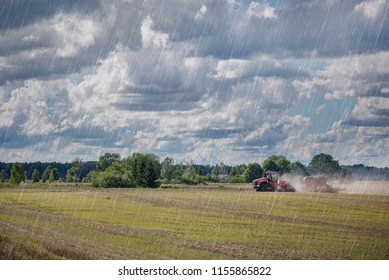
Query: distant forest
x=357, y=171
x=42, y=166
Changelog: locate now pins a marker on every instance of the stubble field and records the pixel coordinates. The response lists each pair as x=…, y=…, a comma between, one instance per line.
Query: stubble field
x=178, y=222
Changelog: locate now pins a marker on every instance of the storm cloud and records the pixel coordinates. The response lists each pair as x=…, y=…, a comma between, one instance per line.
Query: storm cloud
x=225, y=80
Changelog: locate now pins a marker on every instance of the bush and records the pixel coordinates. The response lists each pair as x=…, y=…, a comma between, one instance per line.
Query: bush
x=212, y=178
x=235, y=179
x=137, y=171
x=188, y=181
x=110, y=180
x=114, y=181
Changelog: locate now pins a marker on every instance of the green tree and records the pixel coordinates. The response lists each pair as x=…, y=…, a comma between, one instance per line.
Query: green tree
x=17, y=173
x=88, y=177
x=234, y=171
x=212, y=178
x=47, y=172
x=143, y=169
x=153, y=171
x=72, y=175
x=252, y=172
x=35, y=175
x=223, y=169
x=324, y=164
x=51, y=176
x=283, y=164
x=234, y=176
x=190, y=171
x=137, y=168
x=241, y=168
x=276, y=163
x=107, y=160
x=269, y=165
x=114, y=176
x=178, y=172
x=3, y=176
x=298, y=168
x=167, y=169
x=216, y=170
x=68, y=177
x=78, y=165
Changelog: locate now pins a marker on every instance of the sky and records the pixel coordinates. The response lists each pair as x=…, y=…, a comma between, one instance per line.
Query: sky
x=209, y=81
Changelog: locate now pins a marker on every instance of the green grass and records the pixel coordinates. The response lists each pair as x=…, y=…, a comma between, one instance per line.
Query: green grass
x=190, y=223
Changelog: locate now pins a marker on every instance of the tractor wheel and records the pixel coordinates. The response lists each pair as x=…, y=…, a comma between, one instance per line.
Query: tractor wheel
x=266, y=187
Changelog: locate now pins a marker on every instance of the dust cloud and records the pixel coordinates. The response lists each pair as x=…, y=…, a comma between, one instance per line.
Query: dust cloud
x=345, y=186
x=364, y=187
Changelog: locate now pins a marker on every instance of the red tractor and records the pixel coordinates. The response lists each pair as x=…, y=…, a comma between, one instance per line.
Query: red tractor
x=272, y=183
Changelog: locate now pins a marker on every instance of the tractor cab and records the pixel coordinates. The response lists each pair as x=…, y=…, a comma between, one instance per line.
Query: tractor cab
x=272, y=176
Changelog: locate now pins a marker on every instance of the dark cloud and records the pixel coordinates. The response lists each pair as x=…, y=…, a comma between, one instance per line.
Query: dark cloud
x=268, y=139
x=326, y=138
x=188, y=76
x=180, y=17
x=169, y=100
x=12, y=137
x=326, y=28
x=382, y=121
x=23, y=68
x=215, y=133
x=92, y=136
x=141, y=106
x=64, y=37
x=19, y=13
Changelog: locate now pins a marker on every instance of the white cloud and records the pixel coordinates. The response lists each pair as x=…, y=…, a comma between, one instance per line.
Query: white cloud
x=151, y=37
x=231, y=69
x=273, y=131
x=37, y=108
x=371, y=8
x=201, y=12
x=262, y=10
x=371, y=111
x=75, y=33
x=355, y=75
x=363, y=78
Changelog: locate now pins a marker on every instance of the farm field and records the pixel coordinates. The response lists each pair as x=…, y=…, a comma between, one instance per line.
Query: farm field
x=177, y=222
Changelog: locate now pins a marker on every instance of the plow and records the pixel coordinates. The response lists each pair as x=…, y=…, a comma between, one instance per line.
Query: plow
x=319, y=184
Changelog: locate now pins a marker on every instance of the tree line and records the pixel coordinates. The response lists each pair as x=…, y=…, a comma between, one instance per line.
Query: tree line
x=46, y=171
x=146, y=170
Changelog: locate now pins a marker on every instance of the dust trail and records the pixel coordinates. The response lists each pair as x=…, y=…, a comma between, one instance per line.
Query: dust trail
x=295, y=180
x=364, y=187
x=349, y=186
